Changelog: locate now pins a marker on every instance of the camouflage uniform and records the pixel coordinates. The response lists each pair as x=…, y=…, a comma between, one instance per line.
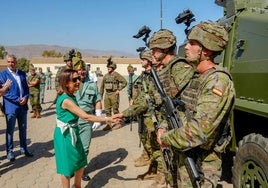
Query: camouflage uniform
x=174, y=77
x=34, y=93
x=42, y=85
x=131, y=80
x=48, y=78
x=208, y=99
x=146, y=124
x=112, y=82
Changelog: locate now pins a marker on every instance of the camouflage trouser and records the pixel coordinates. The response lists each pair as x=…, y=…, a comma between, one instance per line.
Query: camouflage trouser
x=149, y=140
x=210, y=167
x=35, y=101
x=111, y=103
x=146, y=134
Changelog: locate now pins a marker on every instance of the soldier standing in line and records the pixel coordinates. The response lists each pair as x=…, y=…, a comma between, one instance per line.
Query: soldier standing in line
x=174, y=73
x=111, y=85
x=33, y=81
x=49, y=77
x=131, y=80
x=141, y=108
x=42, y=84
x=209, y=100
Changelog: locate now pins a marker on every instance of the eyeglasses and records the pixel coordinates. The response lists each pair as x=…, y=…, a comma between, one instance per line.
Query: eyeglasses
x=76, y=78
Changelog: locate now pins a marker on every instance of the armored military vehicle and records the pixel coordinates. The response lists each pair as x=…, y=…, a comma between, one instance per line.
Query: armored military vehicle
x=247, y=60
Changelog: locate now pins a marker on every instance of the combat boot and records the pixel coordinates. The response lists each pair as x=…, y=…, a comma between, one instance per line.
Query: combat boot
x=38, y=115
x=150, y=174
x=108, y=127
x=34, y=114
x=143, y=160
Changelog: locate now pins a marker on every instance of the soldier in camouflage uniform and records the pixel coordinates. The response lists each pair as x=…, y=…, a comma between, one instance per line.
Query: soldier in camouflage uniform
x=174, y=73
x=33, y=81
x=131, y=80
x=48, y=78
x=146, y=127
x=145, y=99
x=112, y=83
x=209, y=100
x=42, y=84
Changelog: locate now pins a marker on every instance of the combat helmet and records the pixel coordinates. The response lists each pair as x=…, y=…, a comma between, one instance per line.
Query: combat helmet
x=211, y=35
x=162, y=39
x=78, y=63
x=67, y=57
x=110, y=63
x=146, y=54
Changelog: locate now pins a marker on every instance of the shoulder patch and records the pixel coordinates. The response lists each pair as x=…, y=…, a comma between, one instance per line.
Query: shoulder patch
x=217, y=91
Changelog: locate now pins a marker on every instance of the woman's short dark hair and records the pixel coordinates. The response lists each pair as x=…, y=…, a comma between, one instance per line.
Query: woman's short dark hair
x=65, y=77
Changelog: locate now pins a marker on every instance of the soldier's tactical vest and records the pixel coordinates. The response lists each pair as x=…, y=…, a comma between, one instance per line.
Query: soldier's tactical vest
x=167, y=79
x=111, y=83
x=191, y=94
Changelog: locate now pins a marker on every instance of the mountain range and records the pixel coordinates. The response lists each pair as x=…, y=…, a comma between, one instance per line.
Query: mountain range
x=30, y=51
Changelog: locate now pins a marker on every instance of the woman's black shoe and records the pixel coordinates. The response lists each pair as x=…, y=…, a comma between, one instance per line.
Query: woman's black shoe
x=85, y=177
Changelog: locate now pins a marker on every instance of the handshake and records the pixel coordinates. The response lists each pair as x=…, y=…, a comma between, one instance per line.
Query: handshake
x=116, y=118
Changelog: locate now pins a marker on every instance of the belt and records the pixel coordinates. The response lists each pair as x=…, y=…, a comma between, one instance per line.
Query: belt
x=65, y=126
x=109, y=90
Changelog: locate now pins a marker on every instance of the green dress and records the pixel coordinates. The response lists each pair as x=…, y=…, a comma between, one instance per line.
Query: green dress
x=69, y=158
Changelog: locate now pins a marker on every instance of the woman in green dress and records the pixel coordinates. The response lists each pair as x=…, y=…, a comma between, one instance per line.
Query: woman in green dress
x=69, y=153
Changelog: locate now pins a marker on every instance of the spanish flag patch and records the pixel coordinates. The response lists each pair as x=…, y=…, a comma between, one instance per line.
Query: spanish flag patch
x=217, y=91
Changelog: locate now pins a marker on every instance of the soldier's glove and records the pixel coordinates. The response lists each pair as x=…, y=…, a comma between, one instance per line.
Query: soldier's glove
x=96, y=125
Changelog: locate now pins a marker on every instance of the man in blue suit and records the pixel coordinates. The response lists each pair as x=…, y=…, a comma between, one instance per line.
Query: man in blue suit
x=15, y=106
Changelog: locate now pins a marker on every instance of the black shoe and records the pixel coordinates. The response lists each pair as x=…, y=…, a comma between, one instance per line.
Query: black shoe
x=86, y=177
x=26, y=153
x=11, y=156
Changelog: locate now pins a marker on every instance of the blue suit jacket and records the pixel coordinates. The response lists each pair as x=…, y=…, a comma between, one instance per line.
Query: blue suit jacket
x=11, y=99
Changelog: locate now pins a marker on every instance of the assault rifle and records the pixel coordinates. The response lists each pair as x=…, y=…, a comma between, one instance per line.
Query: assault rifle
x=171, y=116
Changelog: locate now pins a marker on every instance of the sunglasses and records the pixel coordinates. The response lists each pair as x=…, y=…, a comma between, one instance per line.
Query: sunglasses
x=76, y=78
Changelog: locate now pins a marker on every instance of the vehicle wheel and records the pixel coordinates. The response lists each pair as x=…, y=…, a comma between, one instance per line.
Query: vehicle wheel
x=251, y=162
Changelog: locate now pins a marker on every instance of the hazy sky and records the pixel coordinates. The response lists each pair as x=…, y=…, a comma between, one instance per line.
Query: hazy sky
x=91, y=24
